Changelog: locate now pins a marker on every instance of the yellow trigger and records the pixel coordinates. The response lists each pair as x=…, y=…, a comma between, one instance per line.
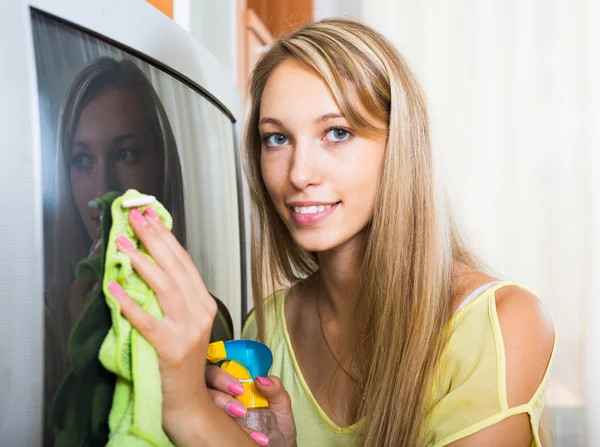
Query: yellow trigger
x=236, y=370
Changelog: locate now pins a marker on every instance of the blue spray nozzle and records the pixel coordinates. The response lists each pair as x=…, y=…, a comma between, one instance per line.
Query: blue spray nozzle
x=254, y=356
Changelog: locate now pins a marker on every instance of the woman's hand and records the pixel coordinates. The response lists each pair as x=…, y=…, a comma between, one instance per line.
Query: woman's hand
x=222, y=385
x=181, y=338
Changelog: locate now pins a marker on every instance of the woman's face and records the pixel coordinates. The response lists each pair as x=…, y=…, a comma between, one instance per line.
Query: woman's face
x=321, y=175
x=113, y=149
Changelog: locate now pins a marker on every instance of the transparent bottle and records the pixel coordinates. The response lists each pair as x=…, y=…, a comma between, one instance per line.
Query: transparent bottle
x=260, y=418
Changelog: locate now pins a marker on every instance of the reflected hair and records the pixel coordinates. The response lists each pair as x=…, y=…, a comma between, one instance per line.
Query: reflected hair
x=71, y=240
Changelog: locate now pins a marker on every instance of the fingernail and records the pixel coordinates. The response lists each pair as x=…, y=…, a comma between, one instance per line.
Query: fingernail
x=237, y=409
x=115, y=289
x=151, y=213
x=137, y=216
x=235, y=388
x=125, y=243
x=264, y=381
x=260, y=438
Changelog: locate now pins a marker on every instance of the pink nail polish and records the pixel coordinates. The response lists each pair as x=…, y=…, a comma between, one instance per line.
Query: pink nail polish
x=115, y=289
x=260, y=438
x=137, y=216
x=264, y=381
x=237, y=409
x=125, y=243
x=151, y=213
x=235, y=388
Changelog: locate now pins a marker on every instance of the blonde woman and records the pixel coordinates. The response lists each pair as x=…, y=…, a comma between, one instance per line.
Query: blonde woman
x=391, y=334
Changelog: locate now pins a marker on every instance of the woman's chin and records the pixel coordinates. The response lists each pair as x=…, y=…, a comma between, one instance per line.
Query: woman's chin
x=312, y=243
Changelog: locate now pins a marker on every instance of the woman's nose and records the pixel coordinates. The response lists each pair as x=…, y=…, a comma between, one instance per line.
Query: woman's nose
x=304, y=170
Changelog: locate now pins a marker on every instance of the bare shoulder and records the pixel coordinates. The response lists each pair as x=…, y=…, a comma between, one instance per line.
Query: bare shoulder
x=528, y=334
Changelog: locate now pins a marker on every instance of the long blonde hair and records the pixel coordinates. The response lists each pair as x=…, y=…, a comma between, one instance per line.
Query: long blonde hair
x=411, y=244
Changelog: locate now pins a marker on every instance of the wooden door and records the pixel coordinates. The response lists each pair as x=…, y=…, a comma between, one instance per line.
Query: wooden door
x=166, y=6
x=258, y=22
x=282, y=16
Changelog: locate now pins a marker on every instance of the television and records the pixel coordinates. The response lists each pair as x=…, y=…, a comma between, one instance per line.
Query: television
x=100, y=96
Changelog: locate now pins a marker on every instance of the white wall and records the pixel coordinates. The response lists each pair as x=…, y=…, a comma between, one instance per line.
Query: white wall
x=592, y=366
x=337, y=8
x=213, y=23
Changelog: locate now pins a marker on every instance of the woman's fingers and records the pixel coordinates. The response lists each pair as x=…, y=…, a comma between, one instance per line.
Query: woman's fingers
x=259, y=438
x=154, y=277
x=278, y=397
x=222, y=381
x=154, y=238
x=281, y=405
x=142, y=321
x=227, y=403
x=185, y=259
x=217, y=379
x=167, y=252
x=169, y=237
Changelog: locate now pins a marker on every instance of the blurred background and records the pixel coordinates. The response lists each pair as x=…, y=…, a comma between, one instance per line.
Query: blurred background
x=515, y=114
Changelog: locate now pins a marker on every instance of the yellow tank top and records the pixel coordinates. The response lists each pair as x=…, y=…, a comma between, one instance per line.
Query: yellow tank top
x=469, y=392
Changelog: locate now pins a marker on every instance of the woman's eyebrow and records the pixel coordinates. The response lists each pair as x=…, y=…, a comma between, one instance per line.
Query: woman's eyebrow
x=328, y=116
x=268, y=120
x=321, y=119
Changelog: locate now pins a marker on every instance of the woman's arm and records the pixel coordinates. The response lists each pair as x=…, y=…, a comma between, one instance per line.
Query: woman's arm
x=528, y=335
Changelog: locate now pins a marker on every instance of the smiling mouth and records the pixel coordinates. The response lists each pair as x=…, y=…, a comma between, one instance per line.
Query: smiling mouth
x=312, y=209
x=312, y=214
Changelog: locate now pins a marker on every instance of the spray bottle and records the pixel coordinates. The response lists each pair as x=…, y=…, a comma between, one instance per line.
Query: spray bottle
x=245, y=360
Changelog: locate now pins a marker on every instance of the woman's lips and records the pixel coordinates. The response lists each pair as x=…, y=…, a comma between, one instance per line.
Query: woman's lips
x=313, y=216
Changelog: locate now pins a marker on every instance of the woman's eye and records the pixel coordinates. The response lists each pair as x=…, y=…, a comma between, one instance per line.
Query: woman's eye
x=275, y=140
x=127, y=156
x=81, y=161
x=338, y=135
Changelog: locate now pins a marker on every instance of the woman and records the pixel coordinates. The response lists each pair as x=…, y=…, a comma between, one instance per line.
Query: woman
x=391, y=333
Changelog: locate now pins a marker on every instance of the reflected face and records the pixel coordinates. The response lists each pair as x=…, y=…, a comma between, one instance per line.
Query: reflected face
x=321, y=175
x=113, y=149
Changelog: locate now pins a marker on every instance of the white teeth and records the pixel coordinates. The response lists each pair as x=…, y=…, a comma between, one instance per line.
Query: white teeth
x=311, y=209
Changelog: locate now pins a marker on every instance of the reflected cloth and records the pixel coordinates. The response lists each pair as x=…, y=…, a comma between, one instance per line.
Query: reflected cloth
x=82, y=403
x=112, y=392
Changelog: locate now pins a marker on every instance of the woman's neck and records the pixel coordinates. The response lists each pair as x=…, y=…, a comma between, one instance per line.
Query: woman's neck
x=337, y=279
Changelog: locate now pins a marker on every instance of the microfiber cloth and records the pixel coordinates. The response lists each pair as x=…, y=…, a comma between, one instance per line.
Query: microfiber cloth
x=136, y=414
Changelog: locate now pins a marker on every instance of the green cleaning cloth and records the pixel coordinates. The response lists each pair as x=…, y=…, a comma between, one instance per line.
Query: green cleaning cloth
x=136, y=415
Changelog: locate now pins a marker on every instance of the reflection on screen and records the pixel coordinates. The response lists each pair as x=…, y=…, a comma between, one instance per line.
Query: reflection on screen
x=111, y=122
